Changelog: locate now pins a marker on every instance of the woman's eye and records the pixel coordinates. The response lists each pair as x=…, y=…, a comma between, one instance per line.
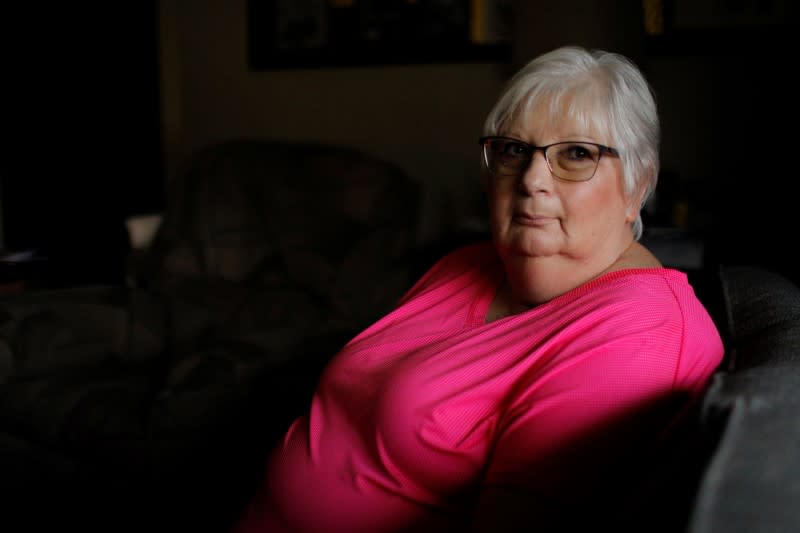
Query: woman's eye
x=578, y=152
x=516, y=149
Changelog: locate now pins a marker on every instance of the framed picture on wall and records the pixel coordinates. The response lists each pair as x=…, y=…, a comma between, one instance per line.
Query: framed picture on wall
x=330, y=33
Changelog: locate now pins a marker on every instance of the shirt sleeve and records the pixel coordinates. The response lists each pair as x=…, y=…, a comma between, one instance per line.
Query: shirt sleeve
x=585, y=418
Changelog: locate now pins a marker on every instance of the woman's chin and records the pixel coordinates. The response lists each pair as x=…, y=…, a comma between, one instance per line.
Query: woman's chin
x=532, y=247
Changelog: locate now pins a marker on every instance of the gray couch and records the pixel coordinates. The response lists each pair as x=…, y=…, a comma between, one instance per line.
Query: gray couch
x=151, y=405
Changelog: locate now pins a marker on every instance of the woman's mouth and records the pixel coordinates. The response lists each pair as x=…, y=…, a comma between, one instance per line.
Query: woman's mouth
x=531, y=219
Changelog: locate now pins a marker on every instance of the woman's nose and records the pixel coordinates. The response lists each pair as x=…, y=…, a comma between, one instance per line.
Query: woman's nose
x=537, y=176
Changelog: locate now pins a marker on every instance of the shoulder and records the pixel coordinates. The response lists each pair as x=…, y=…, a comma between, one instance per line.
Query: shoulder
x=659, y=308
x=665, y=292
x=466, y=256
x=465, y=263
x=659, y=287
x=647, y=299
x=631, y=295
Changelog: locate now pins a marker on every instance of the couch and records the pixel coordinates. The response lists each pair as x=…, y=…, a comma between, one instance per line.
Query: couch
x=152, y=404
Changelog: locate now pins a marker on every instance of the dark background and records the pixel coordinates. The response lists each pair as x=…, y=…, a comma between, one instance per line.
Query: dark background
x=746, y=209
x=81, y=122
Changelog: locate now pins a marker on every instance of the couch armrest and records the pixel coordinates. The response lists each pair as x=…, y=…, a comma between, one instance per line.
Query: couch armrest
x=752, y=481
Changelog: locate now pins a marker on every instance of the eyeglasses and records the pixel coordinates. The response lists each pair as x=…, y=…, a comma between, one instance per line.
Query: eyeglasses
x=569, y=160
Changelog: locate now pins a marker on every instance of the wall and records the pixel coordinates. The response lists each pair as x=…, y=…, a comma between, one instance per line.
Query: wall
x=426, y=118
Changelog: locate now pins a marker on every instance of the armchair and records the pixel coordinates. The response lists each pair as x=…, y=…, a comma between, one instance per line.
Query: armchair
x=155, y=401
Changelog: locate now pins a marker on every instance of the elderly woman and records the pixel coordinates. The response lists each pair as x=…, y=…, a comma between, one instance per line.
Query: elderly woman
x=517, y=378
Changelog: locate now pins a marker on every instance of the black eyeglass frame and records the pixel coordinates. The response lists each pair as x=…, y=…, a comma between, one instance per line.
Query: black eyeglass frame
x=483, y=141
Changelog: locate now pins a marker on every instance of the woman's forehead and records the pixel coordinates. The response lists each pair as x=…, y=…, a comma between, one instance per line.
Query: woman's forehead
x=570, y=114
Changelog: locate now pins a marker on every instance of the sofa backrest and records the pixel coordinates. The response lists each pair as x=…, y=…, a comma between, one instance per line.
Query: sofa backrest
x=304, y=223
x=240, y=202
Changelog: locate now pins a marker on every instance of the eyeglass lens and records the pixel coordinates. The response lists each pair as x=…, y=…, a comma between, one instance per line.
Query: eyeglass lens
x=573, y=161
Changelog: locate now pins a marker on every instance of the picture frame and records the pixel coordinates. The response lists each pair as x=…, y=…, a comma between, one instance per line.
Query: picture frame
x=284, y=34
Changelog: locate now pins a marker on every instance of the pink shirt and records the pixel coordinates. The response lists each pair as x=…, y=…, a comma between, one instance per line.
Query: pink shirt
x=429, y=404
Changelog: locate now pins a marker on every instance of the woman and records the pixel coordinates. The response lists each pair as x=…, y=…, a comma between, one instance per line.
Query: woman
x=516, y=376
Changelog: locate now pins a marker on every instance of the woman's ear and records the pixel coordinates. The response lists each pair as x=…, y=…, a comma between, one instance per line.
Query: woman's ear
x=630, y=214
x=634, y=205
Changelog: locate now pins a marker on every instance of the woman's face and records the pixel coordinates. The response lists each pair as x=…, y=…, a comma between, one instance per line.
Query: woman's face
x=540, y=215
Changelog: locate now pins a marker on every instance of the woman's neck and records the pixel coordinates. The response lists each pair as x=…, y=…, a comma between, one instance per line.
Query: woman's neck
x=533, y=281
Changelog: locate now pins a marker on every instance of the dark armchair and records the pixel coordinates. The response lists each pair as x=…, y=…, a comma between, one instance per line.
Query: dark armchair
x=157, y=400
